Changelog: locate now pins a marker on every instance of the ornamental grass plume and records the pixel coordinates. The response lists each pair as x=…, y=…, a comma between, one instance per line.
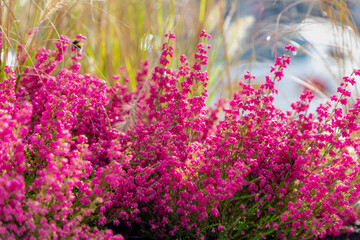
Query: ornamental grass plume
x=177, y=171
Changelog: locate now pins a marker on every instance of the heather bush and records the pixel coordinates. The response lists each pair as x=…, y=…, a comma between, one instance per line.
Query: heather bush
x=44, y=156
x=79, y=157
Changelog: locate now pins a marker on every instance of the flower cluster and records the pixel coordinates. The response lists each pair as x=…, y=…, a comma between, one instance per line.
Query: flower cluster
x=49, y=123
x=83, y=160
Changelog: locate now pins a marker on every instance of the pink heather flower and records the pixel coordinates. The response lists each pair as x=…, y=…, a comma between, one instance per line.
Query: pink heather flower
x=170, y=35
x=275, y=226
x=248, y=76
x=116, y=77
x=289, y=47
x=81, y=37
x=182, y=58
x=343, y=101
x=204, y=34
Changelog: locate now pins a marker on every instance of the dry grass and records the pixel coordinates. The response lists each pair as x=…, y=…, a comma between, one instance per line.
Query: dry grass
x=121, y=33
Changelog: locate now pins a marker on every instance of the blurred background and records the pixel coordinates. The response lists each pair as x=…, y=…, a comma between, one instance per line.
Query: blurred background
x=246, y=36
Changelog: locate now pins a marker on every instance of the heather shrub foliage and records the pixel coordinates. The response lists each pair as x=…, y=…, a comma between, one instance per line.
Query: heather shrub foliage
x=79, y=157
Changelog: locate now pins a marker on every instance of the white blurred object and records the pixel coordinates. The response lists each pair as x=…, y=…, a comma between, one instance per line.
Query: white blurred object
x=335, y=50
x=236, y=33
x=10, y=58
x=146, y=43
